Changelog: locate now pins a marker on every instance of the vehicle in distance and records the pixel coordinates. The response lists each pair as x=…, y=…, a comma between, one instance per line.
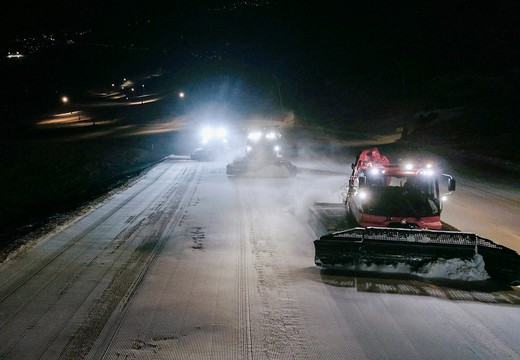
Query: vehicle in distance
x=263, y=156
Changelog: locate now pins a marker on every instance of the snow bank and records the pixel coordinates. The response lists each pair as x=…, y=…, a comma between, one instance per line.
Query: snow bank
x=451, y=269
x=456, y=269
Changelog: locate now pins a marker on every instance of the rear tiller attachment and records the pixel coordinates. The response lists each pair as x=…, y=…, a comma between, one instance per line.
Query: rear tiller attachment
x=414, y=247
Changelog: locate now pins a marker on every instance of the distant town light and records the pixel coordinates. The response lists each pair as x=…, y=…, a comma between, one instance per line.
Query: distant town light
x=14, y=56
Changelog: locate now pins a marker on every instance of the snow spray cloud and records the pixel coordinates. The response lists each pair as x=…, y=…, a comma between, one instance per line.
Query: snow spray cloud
x=304, y=193
x=321, y=178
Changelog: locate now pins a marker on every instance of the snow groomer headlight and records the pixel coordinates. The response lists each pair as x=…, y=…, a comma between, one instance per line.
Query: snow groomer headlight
x=209, y=133
x=375, y=171
x=427, y=172
x=254, y=136
x=270, y=136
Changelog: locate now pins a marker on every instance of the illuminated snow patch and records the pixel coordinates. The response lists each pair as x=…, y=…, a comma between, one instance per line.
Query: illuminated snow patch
x=456, y=269
x=417, y=238
x=269, y=171
x=275, y=171
x=424, y=239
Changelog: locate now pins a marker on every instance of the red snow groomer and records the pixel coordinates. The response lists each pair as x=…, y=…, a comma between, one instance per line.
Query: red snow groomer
x=391, y=215
x=395, y=195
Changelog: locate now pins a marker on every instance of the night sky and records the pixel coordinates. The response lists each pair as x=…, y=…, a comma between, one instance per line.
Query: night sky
x=334, y=59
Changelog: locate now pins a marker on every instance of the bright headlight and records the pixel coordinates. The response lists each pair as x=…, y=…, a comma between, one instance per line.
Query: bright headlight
x=209, y=133
x=206, y=133
x=428, y=172
x=270, y=136
x=221, y=133
x=277, y=148
x=255, y=136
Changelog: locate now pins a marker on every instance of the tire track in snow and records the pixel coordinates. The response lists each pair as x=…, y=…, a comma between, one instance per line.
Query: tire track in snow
x=73, y=266
x=166, y=216
x=245, y=348
x=283, y=334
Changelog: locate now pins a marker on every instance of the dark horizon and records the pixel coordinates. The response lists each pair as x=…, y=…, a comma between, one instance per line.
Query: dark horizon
x=340, y=60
